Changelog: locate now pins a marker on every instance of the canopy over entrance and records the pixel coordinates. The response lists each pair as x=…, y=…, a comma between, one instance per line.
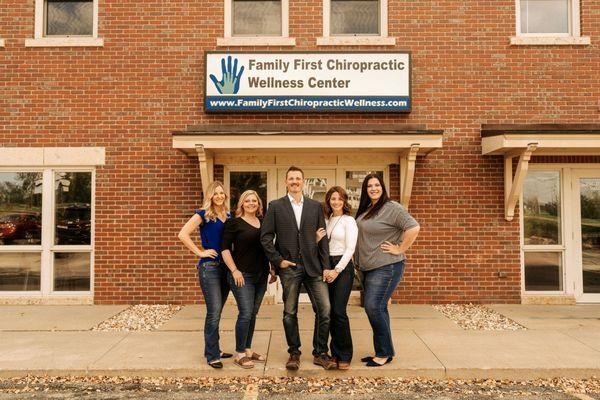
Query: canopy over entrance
x=265, y=143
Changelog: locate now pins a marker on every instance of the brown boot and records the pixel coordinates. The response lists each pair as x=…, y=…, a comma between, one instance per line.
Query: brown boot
x=293, y=363
x=325, y=361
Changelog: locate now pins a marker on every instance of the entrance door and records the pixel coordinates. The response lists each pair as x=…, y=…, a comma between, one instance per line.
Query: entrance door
x=586, y=200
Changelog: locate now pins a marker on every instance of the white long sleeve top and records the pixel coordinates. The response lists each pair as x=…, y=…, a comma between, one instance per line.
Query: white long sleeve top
x=343, y=234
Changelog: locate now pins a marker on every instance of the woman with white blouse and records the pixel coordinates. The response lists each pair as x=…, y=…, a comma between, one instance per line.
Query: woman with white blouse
x=342, y=234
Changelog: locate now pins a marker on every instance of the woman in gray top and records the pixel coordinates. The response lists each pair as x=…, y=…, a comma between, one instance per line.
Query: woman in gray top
x=385, y=231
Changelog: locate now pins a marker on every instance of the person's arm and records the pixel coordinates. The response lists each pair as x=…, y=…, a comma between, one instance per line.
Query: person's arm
x=267, y=236
x=185, y=236
x=404, y=221
x=229, y=234
x=323, y=244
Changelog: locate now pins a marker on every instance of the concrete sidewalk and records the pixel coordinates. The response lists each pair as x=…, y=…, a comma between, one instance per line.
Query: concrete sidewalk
x=561, y=341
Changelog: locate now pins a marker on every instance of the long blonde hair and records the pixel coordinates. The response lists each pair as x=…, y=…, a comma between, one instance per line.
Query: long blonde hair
x=239, y=210
x=208, y=206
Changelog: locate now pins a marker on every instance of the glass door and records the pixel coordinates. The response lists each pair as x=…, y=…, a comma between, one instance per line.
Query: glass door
x=586, y=196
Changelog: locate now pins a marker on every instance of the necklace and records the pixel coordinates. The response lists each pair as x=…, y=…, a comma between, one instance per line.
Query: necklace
x=333, y=227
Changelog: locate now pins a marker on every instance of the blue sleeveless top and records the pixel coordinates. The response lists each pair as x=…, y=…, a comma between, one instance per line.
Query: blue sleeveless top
x=211, y=234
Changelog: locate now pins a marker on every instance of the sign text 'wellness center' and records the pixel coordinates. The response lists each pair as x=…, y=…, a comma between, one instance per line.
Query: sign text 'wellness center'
x=344, y=82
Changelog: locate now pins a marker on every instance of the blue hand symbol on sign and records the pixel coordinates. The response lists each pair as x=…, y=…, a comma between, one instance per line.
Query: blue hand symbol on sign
x=230, y=82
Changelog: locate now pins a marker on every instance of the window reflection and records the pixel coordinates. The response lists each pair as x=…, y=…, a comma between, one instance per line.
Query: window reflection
x=69, y=18
x=73, y=207
x=541, y=208
x=590, y=233
x=543, y=271
x=544, y=16
x=20, y=208
x=71, y=271
x=354, y=17
x=256, y=17
x=20, y=271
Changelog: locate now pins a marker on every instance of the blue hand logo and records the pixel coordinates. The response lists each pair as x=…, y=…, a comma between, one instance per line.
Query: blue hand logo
x=230, y=82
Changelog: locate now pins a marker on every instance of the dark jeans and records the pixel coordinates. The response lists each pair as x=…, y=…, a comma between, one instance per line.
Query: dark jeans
x=291, y=279
x=379, y=285
x=339, y=294
x=248, y=298
x=213, y=281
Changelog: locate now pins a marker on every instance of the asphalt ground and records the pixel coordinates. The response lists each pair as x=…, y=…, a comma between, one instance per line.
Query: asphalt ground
x=119, y=388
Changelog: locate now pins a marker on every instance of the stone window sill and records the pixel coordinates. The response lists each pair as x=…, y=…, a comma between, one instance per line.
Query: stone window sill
x=550, y=40
x=65, y=42
x=356, y=41
x=256, y=41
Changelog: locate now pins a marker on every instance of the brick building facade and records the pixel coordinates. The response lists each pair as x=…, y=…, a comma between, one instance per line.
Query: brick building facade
x=117, y=97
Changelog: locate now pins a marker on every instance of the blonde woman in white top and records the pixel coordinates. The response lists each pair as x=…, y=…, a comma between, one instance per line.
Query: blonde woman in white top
x=342, y=234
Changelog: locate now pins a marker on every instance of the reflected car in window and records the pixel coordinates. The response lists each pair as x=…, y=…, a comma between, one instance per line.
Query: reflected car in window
x=20, y=228
x=73, y=224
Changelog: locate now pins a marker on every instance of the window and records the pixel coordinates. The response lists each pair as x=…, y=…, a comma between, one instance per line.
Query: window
x=548, y=22
x=256, y=22
x=354, y=17
x=65, y=23
x=355, y=22
x=240, y=181
x=46, y=230
x=256, y=18
x=68, y=18
x=542, y=231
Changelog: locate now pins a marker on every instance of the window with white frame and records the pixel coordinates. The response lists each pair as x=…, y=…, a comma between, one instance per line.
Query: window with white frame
x=543, y=247
x=256, y=17
x=68, y=18
x=46, y=230
x=65, y=23
x=354, y=17
x=548, y=17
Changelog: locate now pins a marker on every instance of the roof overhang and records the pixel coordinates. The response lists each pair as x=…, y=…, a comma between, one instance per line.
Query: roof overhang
x=405, y=141
x=549, y=139
x=269, y=138
x=524, y=141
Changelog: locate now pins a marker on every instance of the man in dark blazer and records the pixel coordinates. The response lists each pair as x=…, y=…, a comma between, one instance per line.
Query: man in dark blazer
x=288, y=235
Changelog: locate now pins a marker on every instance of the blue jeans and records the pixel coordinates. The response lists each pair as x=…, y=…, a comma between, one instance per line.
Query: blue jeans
x=213, y=281
x=291, y=279
x=379, y=285
x=248, y=298
x=339, y=294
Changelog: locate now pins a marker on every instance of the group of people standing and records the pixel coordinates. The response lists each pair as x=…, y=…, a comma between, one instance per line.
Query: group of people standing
x=304, y=243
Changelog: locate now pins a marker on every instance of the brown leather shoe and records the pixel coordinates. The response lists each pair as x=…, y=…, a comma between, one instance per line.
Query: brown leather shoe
x=343, y=365
x=293, y=363
x=325, y=361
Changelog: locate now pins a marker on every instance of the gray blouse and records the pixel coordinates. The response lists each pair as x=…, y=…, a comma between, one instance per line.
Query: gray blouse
x=388, y=225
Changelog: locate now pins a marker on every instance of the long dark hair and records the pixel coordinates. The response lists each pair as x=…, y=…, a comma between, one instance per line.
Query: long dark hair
x=365, y=200
x=339, y=190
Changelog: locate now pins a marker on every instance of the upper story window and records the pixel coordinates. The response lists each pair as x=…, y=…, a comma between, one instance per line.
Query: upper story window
x=256, y=18
x=65, y=23
x=545, y=17
x=355, y=17
x=68, y=18
x=256, y=23
x=548, y=22
x=355, y=22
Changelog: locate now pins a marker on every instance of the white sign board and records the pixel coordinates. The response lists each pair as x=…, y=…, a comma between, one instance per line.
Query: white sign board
x=321, y=82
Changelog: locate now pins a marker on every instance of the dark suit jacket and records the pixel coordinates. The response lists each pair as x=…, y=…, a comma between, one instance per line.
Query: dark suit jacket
x=298, y=246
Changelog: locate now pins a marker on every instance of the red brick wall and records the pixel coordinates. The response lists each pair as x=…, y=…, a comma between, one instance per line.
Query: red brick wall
x=146, y=82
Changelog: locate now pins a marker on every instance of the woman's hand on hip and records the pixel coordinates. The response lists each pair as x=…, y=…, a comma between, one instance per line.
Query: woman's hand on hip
x=210, y=253
x=238, y=278
x=390, y=248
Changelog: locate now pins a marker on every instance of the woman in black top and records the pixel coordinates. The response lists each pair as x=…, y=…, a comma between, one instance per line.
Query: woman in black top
x=248, y=270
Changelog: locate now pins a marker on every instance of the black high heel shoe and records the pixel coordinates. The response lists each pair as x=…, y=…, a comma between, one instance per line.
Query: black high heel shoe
x=366, y=359
x=216, y=364
x=372, y=362
x=226, y=355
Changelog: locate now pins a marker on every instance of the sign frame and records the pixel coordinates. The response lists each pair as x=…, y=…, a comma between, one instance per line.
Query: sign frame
x=312, y=111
